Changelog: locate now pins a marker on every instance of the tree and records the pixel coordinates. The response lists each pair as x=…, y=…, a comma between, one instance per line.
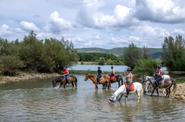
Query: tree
x=132, y=55
x=173, y=55
x=145, y=54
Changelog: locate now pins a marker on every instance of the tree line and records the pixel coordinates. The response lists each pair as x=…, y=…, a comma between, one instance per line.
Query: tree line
x=173, y=56
x=100, y=58
x=52, y=55
x=32, y=54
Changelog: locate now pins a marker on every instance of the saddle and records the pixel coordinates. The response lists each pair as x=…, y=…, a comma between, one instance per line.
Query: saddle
x=131, y=87
x=112, y=78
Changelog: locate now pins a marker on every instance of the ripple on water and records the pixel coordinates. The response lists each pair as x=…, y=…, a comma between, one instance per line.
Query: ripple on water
x=83, y=104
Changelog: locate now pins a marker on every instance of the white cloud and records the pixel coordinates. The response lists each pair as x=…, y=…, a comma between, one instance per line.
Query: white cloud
x=5, y=30
x=92, y=15
x=28, y=26
x=57, y=23
x=160, y=11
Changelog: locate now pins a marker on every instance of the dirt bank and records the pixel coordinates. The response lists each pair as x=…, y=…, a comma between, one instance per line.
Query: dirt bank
x=26, y=76
x=180, y=92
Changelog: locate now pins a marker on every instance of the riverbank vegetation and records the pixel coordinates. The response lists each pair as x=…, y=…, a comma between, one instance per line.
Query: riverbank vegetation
x=32, y=54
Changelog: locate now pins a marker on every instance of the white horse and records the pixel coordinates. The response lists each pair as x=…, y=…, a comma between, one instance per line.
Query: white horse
x=149, y=84
x=138, y=89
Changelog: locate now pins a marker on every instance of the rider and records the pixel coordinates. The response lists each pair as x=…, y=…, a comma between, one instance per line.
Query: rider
x=158, y=74
x=112, y=75
x=99, y=74
x=66, y=74
x=129, y=79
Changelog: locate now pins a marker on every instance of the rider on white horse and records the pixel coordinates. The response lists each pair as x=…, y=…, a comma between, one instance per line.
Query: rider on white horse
x=129, y=79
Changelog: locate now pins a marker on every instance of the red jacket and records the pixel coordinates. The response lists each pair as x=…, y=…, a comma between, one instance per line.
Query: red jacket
x=66, y=72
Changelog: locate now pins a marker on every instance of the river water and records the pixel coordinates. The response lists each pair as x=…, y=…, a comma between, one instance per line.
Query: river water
x=36, y=100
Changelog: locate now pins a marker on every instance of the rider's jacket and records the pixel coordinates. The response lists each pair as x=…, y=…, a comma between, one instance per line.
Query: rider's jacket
x=159, y=72
x=99, y=72
x=66, y=72
x=113, y=72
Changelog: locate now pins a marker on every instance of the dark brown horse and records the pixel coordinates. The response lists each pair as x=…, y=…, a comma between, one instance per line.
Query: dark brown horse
x=166, y=83
x=61, y=80
x=107, y=80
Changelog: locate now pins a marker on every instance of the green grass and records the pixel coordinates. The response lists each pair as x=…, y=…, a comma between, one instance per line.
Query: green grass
x=180, y=80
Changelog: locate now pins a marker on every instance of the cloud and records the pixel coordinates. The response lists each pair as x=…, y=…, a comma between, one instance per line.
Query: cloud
x=165, y=11
x=92, y=15
x=5, y=30
x=28, y=26
x=57, y=23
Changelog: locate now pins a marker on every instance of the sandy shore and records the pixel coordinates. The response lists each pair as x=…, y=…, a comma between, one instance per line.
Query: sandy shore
x=26, y=76
x=180, y=92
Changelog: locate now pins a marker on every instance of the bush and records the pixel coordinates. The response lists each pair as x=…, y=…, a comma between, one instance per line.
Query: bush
x=145, y=67
x=10, y=64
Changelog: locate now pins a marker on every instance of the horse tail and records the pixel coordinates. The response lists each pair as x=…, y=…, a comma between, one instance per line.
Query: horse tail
x=53, y=83
x=76, y=81
x=174, y=86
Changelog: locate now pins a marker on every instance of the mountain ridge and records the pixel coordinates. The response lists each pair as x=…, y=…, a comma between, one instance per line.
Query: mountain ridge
x=153, y=52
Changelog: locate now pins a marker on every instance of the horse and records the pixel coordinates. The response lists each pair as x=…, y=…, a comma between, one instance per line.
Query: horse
x=107, y=80
x=93, y=78
x=135, y=87
x=166, y=83
x=71, y=80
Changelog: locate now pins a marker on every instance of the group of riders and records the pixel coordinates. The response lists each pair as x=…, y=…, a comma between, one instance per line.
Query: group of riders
x=128, y=76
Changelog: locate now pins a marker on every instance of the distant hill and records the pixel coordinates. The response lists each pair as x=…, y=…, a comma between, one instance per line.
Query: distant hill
x=153, y=52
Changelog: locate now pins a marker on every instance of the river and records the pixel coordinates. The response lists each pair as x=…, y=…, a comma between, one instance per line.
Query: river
x=36, y=100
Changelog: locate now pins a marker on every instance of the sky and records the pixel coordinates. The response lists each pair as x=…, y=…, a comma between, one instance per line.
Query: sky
x=94, y=23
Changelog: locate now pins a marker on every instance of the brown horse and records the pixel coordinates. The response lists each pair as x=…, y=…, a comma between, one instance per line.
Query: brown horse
x=61, y=80
x=104, y=80
x=107, y=80
x=93, y=78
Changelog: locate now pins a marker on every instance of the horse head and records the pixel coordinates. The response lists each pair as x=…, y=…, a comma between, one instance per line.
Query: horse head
x=147, y=82
x=86, y=77
x=90, y=76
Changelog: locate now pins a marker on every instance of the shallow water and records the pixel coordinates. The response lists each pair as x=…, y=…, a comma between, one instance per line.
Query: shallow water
x=38, y=101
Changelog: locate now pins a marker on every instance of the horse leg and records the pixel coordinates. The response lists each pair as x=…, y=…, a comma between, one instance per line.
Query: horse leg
x=104, y=86
x=157, y=91
x=53, y=83
x=120, y=97
x=167, y=92
x=138, y=95
x=65, y=84
x=152, y=91
x=75, y=84
x=60, y=84
x=72, y=84
x=108, y=85
x=96, y=86
x=118, y=84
